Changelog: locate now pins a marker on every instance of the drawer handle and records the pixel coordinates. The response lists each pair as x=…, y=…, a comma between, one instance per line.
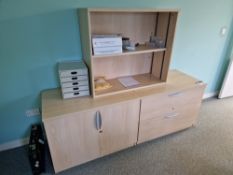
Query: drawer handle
x=199, y=82
x=75, y=89
x=171, y=115
x=174, y=94
x=76, y=93
x=74, y=78
x=76, y=83
x=74, y=73
x=98, y=121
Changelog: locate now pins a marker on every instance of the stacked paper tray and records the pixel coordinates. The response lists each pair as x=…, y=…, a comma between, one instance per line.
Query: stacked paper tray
x=74, y=79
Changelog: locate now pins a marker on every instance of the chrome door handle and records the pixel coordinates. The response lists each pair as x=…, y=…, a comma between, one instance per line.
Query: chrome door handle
x=174, y=94
x=199, y=82
x=98, y=120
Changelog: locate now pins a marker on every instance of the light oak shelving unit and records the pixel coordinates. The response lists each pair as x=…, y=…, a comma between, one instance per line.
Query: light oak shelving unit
x=149, y=66
x=86, y=128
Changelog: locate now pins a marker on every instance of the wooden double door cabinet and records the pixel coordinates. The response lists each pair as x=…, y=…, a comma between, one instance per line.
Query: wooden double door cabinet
x=80, y=130
x=84, y=136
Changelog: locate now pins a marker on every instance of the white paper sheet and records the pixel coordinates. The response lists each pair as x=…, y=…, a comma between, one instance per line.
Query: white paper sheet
x=128, y=81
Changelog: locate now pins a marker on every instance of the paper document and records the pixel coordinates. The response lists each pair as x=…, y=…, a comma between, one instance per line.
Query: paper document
x=128, y=81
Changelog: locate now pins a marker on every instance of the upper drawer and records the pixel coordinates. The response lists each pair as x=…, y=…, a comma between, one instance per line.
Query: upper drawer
x=74, y=72
x=155, y=105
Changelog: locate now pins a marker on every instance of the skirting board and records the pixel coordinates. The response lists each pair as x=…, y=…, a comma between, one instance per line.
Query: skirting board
x=14, y=144
x=209, y=95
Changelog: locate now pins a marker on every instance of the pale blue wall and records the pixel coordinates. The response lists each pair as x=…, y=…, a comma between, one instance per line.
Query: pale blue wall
x=35, y=35
x=30, y=47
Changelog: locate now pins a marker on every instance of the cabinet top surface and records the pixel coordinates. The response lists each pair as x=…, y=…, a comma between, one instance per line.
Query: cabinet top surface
x=54, y=106
x=71, y=65
x=131, y=10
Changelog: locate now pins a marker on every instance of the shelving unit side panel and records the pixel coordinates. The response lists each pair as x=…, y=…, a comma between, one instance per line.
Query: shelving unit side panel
x=169, y=45
x=86, y=42
x=161, y=32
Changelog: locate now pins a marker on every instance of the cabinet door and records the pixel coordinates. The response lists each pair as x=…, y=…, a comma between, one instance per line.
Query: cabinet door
x=119, y=126
x=73, y=139
x=167, y=113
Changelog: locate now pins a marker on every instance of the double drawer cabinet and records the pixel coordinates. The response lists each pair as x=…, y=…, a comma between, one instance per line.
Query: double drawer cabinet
x=80, y=130
x=74, y=79
x=169, y=112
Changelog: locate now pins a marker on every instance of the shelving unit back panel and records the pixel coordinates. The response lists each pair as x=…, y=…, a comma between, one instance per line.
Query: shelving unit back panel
x=138, y=26
x=113, y=67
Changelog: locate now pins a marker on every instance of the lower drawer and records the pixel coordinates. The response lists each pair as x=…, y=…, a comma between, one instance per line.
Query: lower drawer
x=66, y=73
x=75, y=94
x=75, y=88
x=167, y=123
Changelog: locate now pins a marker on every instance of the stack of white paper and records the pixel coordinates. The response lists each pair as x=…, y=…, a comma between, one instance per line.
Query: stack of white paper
x=128, y=81
x=106, y=44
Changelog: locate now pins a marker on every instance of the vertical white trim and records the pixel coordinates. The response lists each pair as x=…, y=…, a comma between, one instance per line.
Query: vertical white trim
x=227, y=86
x=14, y=144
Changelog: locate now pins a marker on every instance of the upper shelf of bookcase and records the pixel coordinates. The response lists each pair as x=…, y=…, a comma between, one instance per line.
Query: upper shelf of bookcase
x=139, y=50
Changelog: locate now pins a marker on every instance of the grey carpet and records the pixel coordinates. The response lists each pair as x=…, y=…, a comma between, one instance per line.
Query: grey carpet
x=206, y=149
